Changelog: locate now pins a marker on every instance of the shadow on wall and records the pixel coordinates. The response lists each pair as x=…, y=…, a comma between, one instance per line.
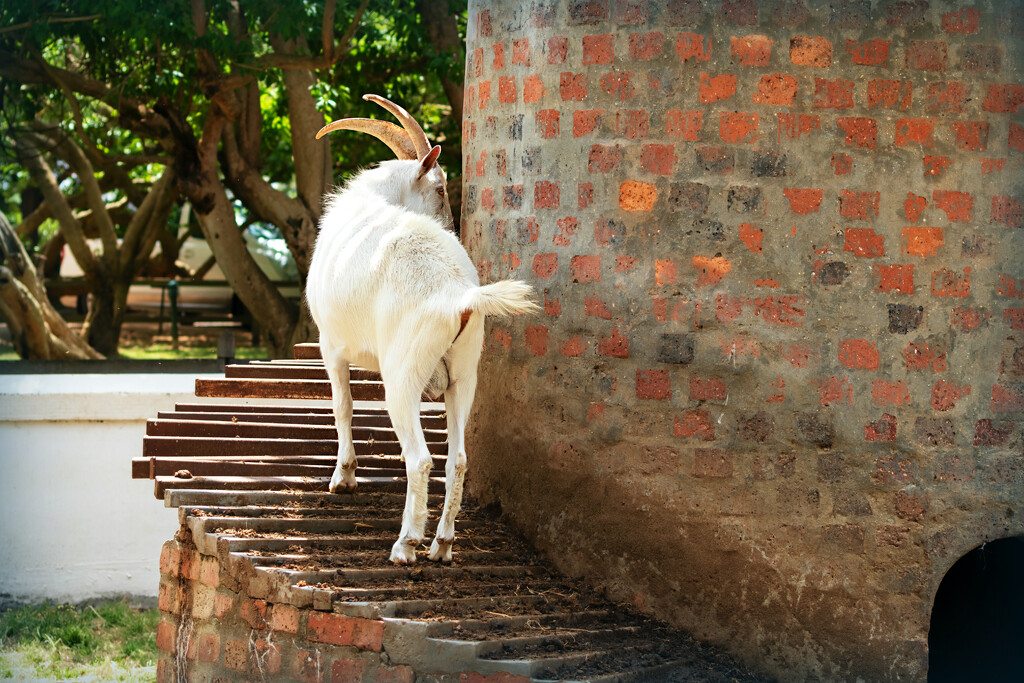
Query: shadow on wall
x=977, y=625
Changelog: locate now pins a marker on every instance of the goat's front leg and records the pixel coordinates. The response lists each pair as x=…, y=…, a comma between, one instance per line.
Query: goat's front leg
x=403, y=407
x=344, y=477
x=458, y=401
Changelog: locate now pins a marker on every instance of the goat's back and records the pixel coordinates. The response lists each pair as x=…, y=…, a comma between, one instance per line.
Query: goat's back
x=375, y=265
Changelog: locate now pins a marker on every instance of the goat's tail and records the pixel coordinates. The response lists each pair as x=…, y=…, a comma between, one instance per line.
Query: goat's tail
x=502, y=298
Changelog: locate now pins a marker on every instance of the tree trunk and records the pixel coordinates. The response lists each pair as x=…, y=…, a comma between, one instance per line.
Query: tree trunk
x=444, y=35
x=37, y=330
x=103, y=322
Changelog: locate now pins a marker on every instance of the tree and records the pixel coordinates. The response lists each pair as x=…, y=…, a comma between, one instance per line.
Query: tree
x=37, y=330
x=228, y=97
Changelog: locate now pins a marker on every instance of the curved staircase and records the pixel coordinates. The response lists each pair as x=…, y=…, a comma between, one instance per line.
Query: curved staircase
x=271, y=578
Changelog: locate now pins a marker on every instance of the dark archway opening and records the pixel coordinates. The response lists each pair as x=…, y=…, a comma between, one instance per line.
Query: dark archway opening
x=977, y=624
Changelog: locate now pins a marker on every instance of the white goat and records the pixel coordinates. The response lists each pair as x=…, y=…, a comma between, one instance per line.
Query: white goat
x=391, y=289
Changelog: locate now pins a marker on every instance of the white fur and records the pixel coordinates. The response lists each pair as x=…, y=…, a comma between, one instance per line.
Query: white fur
x=387, y=287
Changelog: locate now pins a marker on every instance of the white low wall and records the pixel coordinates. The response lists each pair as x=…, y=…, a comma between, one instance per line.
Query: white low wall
x=74, y=525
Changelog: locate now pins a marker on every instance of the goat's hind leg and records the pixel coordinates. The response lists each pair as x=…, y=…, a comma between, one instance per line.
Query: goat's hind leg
x=344, y=477
x=458, y=400
x=403, y=402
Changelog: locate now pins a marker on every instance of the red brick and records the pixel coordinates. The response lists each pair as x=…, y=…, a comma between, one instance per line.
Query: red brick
x=567, y=228
x=924, y=357
x=585, y=121
x=595, y=307
x=712, y=463
x=574, y=346
x=837, y=94
x=484, y=92
x=1010, y=287
x=658, y=159
x=738, y=127
x=547, y=123
x=707, y=389
x=284, y=618
x=909, y=506
x=858, y=354
x=860, y=131
x=794, y=126
x=967, y=319
x=605, y=231
x=637, y=196
x=684, y=124
x=956, y=205
x=752, y=237
x=633, y=123
x=1014, y=317
x=947, y=282
x=727, y=308
x=860, y=205
x=934, y=165
x=834, y=390
x=1015, y=139
x=170, y=559
x=209, y=647
x=584, y=268
x=927, y=55
x=715, y=159
x=254, y=613
x=499, y=56
x=347, y=670
x=166, y=636
x=693, y=46
x=618, y=84
x=1007, y=399
x=986, y=433
x=740, y=12
x=981, y=58
x=873, y=52
x=921, y=241
x=1004, y=99
x=521, y=51
x=572, y=86
x=947, y=97
x=914, y=206
x=751, y=50
x=695, y=424
x=971, y=136
x=614, y=346
x=397, y=674
x=653, y=384
x=558, y=48
x=336, y=629
x=911, y=131
x=631, y=12
x=803, y=201
x=624, y=264
x=799, y=355
x=906, y=13
x=712, y=269
x=664, y=272
x=946, y=394
x=895, y=278
x=1008, y=211
x=546, y=195
x=537, y=339
x=842, y=164
x=236, y=655
x=533, y=89
x=884, y=429
x=810, y=51
x=715, y=88
x=889, y=94
x=306, y=666
x=886, y=393
x=478, y=62
x=598, y=49
x=776, y=89
x=864, y=242
x=645, y=46
x=507, y=89
x=964, y=21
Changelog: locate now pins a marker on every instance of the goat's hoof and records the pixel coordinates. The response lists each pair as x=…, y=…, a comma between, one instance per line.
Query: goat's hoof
x=441, y=550
x=404, y=551
x=343, y=483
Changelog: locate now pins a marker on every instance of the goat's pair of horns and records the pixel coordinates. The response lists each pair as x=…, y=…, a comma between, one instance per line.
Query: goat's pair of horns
x=408, y=142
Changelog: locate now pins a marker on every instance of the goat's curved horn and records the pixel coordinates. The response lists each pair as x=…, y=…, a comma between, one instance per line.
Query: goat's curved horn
x=391, y=135
x=412, y=127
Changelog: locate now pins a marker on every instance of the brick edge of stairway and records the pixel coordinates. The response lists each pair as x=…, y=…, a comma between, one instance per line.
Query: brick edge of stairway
x=269, y=578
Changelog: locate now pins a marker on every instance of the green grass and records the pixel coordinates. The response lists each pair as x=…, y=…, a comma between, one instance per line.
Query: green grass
x=109, y=642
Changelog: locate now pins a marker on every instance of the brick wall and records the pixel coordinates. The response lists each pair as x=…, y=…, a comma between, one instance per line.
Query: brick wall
x=777, y=388
x=228, y=623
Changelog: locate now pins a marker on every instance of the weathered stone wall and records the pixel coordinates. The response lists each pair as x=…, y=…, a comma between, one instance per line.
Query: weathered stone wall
x=777, y=388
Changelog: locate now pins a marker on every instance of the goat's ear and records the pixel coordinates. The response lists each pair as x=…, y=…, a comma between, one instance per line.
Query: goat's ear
x=429, y=160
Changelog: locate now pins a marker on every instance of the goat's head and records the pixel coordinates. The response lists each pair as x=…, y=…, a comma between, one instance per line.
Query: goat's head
x=426, y=190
